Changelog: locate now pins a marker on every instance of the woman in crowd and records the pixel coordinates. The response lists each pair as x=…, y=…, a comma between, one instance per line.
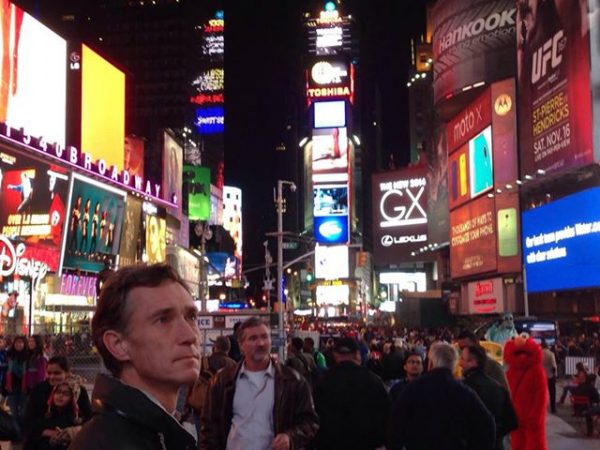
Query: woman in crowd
x=61, y=421
x=36, y=362
x=58, y=371
x=15, y=378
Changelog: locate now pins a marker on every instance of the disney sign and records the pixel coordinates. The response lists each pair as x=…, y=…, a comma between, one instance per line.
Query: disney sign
x=13, y=260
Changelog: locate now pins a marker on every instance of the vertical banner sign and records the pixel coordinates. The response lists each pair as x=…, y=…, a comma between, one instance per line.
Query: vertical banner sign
x=437, y=184
x=553, y=57
x=197, y=180
x=131, y=232
x=172, y=171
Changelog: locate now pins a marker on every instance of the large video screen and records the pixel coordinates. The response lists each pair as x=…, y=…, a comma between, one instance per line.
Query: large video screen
x=33, y=79
x=330, y=200
x=197, y=180
x=330, y=114
x=94, y=225
x=34, y=197
x=331, y=229
x=561, y=243
x=330, y=150
x=102, y=109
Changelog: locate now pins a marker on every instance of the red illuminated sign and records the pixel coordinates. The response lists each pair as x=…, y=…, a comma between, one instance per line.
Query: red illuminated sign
x=22, y=261
x=202, y=99
x=486, y=296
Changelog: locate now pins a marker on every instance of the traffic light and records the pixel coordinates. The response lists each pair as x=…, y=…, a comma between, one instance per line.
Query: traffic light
x=309, y=276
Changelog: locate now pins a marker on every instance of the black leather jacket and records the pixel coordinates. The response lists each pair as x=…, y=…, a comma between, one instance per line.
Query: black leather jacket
x=293, y=412
x=126, y=419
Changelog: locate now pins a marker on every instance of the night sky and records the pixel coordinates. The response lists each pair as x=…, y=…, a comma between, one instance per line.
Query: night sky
x=264, y=42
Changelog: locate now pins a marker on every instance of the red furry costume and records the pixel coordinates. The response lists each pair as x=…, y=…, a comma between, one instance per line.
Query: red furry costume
x=527, y=381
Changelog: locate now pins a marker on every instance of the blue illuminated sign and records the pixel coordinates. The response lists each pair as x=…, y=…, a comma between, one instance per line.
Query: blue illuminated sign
x=210, y=120
x=561, y=243
x=331, y=229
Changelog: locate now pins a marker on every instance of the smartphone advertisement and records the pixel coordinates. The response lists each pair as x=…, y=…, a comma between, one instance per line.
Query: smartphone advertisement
x=561, y=243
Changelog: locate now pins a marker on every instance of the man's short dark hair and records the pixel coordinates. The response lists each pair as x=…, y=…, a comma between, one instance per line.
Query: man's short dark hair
x=310, y=342
x=112, y=312
x=251, y=322
x=409, y=354
x=297, y=343
x=222, y=344
x=468, y=334
x=479, y=353
x=346, y=346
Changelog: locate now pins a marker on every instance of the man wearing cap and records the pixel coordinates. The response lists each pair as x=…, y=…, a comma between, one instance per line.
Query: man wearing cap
x=351, y=402
x=257, y=404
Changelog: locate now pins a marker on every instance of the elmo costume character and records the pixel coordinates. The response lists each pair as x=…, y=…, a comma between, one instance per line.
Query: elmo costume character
x=527, y=382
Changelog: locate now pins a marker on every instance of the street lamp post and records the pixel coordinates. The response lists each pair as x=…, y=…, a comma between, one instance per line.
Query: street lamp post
x=279, y=203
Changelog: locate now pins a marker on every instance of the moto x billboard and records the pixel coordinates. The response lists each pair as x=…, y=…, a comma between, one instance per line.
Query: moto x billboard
x=399, y=214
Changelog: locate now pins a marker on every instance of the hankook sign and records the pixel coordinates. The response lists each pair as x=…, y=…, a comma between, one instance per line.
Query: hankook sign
x=399, y=214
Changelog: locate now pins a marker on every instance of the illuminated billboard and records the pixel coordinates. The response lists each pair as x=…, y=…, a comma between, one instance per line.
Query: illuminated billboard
x=102, y=109
x=198, y=184
x=486, y=296
x=128, y=253
x=133, y=161
x=561, y=243
x=330, y=78
x=330, y=114
x=331, y=229
x=34, y=198
x=155, y=234
x=331, y=262
x=34, y=77
x=473, y=238
x=330, y=150
x=330, y=200
x=95, y=221
x=481, y=173
x=210, y=80
x=232, y=216
x=172, y=170
x=210, y=120
x=399, y=214
x=553, y=61
x=473, y=43
x=333, y=295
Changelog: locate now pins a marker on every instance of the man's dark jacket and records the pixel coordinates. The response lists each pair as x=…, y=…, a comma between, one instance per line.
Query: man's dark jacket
x=293, y=411
x=496, y=399
x=353, y=407
x=125, y=418
x=435, y=411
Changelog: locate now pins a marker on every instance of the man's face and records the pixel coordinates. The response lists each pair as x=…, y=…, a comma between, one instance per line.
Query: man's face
x=162, y=337
x=255, y=344
x=413, y=366
x=466, y=361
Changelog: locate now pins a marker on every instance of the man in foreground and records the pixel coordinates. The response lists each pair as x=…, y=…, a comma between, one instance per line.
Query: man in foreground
x=352, y=403
x=257, y=404
x=494, y=396
x=435, y=411
x=145, y=330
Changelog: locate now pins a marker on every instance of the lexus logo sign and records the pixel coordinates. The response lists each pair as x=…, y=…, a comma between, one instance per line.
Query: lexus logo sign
x=387, y=240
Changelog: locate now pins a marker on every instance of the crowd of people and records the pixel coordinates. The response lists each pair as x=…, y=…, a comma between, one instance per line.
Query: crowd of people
x=366, y=388
x=47, y=403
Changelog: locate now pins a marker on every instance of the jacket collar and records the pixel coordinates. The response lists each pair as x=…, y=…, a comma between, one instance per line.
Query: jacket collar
x=112, y=395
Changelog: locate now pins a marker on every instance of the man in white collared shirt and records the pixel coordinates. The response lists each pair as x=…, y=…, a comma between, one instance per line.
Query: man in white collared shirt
x=258, y=404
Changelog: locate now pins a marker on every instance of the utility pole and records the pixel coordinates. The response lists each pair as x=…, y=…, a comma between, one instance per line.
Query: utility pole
x=279, y=202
